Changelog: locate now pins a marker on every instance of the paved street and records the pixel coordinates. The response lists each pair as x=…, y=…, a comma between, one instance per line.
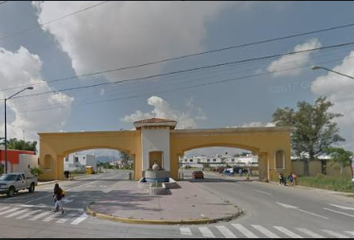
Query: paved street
x=270, y=211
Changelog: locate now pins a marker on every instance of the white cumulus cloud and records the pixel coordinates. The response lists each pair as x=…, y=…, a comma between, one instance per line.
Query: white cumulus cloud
x=162, y=109
x=122, y=33
x=296, y=60
x=340, y=91
x=21, y=68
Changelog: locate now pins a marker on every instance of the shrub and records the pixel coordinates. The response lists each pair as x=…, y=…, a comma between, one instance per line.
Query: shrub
x=36, y=171
x=336, y=183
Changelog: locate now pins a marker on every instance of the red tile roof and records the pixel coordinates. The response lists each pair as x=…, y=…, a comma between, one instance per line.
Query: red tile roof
x=155, y=120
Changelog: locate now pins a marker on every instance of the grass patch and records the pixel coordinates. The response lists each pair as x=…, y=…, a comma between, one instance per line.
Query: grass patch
x=335, y=183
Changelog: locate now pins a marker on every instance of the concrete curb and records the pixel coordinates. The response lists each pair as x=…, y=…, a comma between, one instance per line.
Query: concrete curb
x=162, y=222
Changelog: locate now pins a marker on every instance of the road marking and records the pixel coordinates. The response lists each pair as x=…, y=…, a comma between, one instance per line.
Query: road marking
x=66, y=218
x=28, y=214
x=50, y=218
x=79, y=219
x=39, y=216
x=37, y=199
x=16, y=213
x=346, y=214
x=186, y=231
x=8, y=211
x=313, y=214
x=244, y=230
x=206, y=232
x=263, y=192
x=287, y=232
x=265, y=231
x=310, y=233
x=4, y=208
x=352, y=233
x=335, y=234
x=226, y=232
x=296, y=208
x=342, y=207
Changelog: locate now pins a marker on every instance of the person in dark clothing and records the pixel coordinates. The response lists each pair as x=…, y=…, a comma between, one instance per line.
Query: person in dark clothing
x=58, y=196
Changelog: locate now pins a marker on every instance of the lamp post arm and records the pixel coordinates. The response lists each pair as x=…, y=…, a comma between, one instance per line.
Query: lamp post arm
x=16, y=94
x=342, y=74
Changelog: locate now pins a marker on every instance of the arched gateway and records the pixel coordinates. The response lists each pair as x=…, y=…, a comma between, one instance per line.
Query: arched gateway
x=156, y=140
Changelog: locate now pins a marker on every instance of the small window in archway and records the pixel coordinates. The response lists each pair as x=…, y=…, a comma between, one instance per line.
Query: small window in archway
x=47, y=162
x=280, y=160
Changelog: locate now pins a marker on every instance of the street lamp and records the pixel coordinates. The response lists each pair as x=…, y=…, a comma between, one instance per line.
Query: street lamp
x=28, y=88
x=345, y=75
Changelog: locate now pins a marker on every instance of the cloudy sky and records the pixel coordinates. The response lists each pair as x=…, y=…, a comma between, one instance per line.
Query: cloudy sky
x=47, y=44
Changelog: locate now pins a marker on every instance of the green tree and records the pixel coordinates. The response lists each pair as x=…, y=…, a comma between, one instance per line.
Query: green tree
x=340, y=156
x=312, y=128
x=14, y=143
x=125, y=157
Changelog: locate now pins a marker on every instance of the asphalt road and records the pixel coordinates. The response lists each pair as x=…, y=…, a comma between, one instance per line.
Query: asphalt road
x=270, y=211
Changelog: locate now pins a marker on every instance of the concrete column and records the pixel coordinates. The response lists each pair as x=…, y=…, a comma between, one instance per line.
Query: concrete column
x=263, y=167
x=59, y=167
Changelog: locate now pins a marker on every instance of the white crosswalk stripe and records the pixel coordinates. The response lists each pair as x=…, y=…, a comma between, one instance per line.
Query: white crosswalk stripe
x=8, y=211
x=79, y=219
x=4, y=208
x=39, y=216
x=334, y=234
x=244, y=230
x=16, y=213
x=310, y=233
x=186, y=231
x=261, y=231
x=350, y=232
x=226, y=232
x=265, y=231
x=66, y=218
x=206, y=232
x=287, y=232
x=28, y=214
x=31, y=214
x=51, y=217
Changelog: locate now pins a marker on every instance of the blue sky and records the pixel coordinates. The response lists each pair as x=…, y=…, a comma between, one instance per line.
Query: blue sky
x=119, y=34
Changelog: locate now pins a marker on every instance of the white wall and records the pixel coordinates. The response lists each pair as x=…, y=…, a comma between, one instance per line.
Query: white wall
x=26, y=162
x=83, y=161
x=156, y=140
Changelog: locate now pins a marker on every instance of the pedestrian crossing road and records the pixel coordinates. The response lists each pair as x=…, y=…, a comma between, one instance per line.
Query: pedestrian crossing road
x=258, y=231
x=30, y=213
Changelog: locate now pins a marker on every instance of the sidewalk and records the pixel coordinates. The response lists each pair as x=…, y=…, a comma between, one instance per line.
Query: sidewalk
x=127, y=202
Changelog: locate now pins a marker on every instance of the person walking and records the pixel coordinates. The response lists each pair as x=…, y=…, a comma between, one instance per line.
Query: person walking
x=58, y=196
x=280, y=179
x=290, y=178
x=294, y=179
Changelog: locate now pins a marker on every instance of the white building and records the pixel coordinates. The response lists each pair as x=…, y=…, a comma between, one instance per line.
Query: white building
x=79, y=162
x=219, y=160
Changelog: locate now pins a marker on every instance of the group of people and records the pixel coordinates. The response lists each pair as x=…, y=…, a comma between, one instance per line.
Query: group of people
x=291, y=177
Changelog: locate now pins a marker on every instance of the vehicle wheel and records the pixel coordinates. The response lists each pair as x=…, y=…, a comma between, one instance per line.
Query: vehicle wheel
x=11, y=192
x=31, y=188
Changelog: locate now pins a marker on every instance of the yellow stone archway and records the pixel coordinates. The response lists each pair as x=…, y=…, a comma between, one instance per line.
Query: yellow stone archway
x=154, y=135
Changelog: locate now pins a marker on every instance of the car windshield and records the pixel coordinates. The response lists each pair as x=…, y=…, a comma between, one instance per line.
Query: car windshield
x=8, y=177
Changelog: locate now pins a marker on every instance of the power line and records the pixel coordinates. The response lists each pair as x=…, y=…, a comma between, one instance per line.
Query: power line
x=53, y=20
x=175, y=58
x=175, y=89
x=188, y=70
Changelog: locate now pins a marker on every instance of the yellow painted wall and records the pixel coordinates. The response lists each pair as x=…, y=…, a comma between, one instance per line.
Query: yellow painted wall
x=332, y=168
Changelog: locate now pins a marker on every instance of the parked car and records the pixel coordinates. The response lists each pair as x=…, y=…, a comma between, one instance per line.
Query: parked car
x=11, y=183
x=197, y=175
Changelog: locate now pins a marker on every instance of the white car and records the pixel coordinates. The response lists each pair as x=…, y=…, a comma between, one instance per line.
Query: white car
x=11, y=183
